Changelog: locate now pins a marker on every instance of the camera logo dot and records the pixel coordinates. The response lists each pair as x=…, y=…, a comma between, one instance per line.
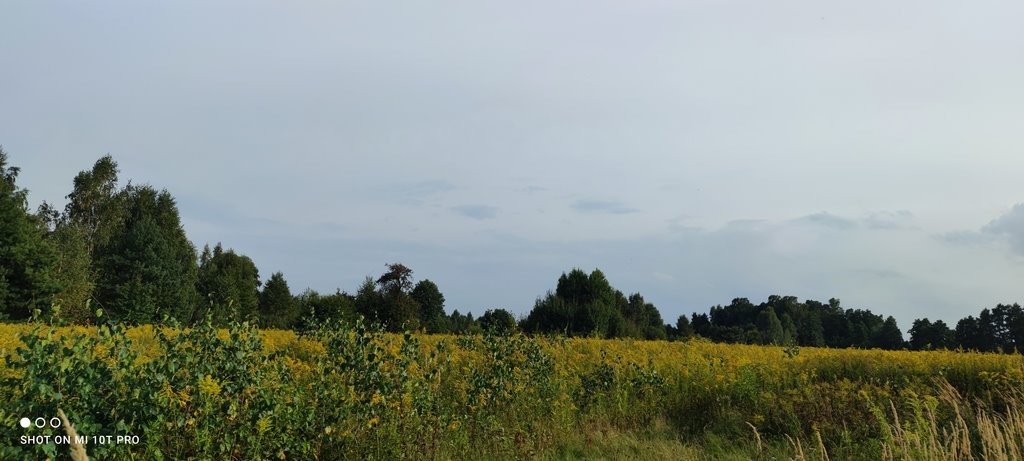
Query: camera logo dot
x=39, y=423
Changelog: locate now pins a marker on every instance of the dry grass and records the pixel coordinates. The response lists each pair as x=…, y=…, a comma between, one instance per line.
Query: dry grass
x=77, y=450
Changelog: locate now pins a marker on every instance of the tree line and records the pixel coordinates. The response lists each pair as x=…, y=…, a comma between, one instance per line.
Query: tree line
x=123, y=249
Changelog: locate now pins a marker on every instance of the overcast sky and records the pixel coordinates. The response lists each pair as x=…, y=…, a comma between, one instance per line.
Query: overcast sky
x=693, y=151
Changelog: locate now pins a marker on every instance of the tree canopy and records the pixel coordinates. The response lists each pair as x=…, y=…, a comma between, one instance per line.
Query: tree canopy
x=27, y=260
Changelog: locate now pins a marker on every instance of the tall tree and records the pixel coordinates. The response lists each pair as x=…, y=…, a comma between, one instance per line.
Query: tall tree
x=968, y=334
x=93, y=204
x=888, y=335
x=770, y=327
x=27, y=259
x=499, y=321
x=278, y=308
x=397, y=310
x=369, y=302
x=684, y=330
x=588, y=305
x=228, y=284
x=927, y=335
x=73, y=272
x=148, y=267
x=431, y=302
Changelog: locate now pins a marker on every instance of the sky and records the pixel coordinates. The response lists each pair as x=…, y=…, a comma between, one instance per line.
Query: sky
x=694, y=151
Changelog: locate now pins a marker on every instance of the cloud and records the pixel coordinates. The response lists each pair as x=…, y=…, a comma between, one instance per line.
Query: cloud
x=478, y=212
x=963, y=238
x=888, y=220
x=602, y=206
x=415, y=193
x=1010, y=226
x=829, y=220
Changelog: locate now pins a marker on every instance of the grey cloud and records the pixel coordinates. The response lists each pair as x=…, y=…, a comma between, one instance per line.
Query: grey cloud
x=965, y=238
x=829, y=220
x=888, y=220
x=745, y=224
x=602, y=206
x=1010, y=225
x=479, y=212
x=415, y=193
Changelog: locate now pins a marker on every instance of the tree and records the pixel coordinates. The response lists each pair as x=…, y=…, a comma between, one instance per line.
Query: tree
x=431, y=302
x=148, y=267
x=701, y=325
x=968, y=334
x=229, y=285
x=645, y=317
x=93, y=204
x=683, y=328
x=550, y=314
x=72, y=272
x=316, y=309
x=369, y=302
x=27, y=259
x=277, y=306
x=888, y=335
x=925, y=335
x=398, y=278
x=770, y=327
x=498, y=321
x=397, y=309
x=588, y=305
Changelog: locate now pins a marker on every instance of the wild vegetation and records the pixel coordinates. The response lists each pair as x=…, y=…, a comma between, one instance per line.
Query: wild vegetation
x=340, y=392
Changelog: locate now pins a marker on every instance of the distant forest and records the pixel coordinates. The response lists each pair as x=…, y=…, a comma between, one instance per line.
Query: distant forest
x=121, y=252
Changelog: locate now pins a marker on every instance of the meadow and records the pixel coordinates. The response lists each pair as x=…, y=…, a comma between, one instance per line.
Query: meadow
x=352, y=392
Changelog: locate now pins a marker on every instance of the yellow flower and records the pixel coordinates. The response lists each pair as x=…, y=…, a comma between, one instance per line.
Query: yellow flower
x=209, y=387
x=263, y=425
x=376, y=399
x=373, y=422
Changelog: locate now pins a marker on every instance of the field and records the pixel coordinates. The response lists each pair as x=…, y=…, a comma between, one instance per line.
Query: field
x=346, y=392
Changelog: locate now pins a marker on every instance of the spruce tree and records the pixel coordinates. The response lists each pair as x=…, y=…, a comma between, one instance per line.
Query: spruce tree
x=26, y=258
x=147, y=269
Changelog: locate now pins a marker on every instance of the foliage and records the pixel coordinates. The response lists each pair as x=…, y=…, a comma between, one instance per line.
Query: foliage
x=315, y=309
x=277, y=307
x=430, y=300
x=497, y=321
x=349, y=391
x=587, y=305
x=147, y=270
x=73, y=273
x=27, y=259
x=228, y=279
